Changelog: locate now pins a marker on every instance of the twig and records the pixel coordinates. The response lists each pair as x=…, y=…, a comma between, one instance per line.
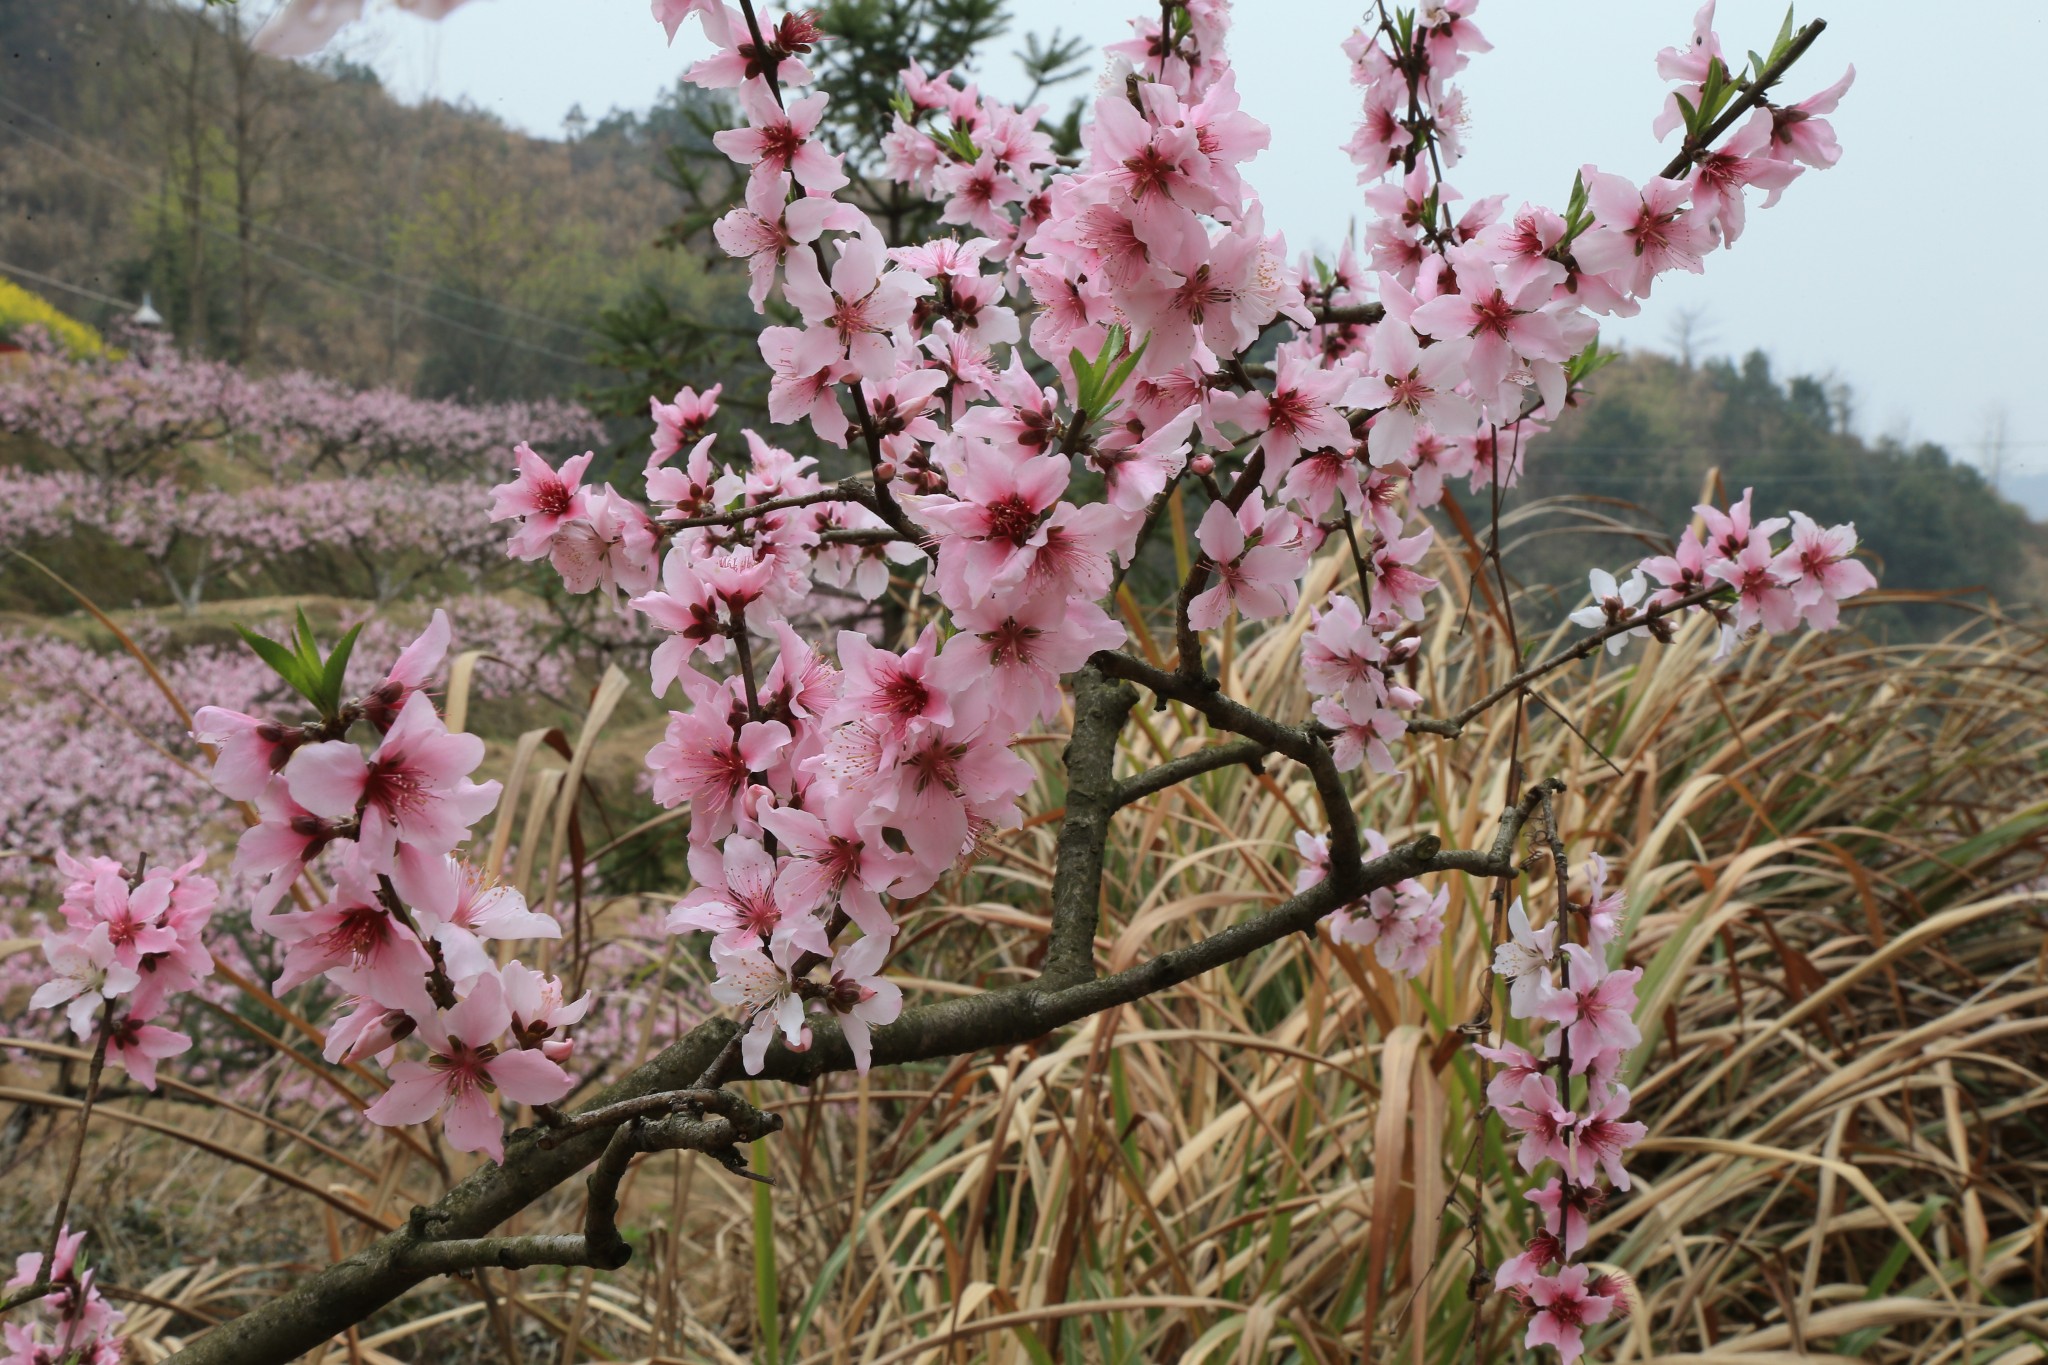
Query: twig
x=1175, y=771
x=1580, y=650
x=846, y=490
x=92, y=1093
x=1752, y=95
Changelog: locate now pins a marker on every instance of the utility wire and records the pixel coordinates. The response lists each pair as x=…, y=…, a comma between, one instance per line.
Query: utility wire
x=315, y=244
x=393, y=300
x=40, y=278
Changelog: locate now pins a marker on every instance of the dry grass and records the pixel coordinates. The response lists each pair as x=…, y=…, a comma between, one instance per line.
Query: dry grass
x=1827, y=846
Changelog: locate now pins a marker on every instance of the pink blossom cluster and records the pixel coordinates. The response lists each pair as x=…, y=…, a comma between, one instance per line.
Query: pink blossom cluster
x=1349, y=658
x=1403, y=924
x=113, y=415
x=1772, y=590
x=100, y=757
x=312, y=422
x=403, y=927
x=129, y=945
x=824, y=789
x=71, y=1325
x=395, y=526
x=117, y=415
x=1567, y=1104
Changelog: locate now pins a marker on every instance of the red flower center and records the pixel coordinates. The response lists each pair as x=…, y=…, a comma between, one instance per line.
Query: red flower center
x=1012, y=519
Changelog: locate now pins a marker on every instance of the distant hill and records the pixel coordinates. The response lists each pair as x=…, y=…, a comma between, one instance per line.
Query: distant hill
x=282, y=215
x=1637, y=453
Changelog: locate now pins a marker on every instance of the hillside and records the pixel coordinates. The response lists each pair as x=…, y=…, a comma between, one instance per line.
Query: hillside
x=283, y=216
x=1635, y=455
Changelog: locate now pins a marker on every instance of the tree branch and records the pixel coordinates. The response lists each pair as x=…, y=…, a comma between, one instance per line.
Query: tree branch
x=1367, y=313
x=846, y=490
x=322, y=1305
x=865, y=535
x=1100, y=709
x=1175, y=771
x=884, y=505
x=600, y=1245
x=1303, y=746
x=1564, y=656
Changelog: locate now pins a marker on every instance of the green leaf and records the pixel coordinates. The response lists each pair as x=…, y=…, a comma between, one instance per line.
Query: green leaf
x=305, y=645
x=1577, y=216
x=1784, y=37
x=285, y=664
x=960, y=142
x=1096, y=384
x=1084, y=377
x=1719, y=89
x=1113, y=384
x=1583, y=365
x=336, y=671
x=1692, y=115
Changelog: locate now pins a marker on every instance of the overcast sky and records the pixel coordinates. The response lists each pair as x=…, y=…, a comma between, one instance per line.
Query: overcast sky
x=1896, y=271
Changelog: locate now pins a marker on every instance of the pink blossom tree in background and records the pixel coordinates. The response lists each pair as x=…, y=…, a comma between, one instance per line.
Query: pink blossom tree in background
x=1098, y=347
x=129, y=413
x=129, y=422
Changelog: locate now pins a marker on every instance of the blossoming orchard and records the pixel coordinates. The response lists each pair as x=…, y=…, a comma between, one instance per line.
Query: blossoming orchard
x=1097, y=349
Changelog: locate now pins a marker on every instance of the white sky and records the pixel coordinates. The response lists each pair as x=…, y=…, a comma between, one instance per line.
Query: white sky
x=1890, y=271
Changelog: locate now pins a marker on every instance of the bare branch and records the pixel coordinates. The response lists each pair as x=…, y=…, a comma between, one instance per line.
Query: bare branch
x=1575, y=652
x=1367, y=313
x=846, y=490
x=1175, y=771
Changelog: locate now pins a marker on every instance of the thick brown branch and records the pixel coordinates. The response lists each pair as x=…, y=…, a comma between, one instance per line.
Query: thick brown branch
x=322, y=1305
x=1366, y=313
x=505, y=1253
x=865, y=535
x=601, y=1244
x=646, y=1106
x=1100, y=709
